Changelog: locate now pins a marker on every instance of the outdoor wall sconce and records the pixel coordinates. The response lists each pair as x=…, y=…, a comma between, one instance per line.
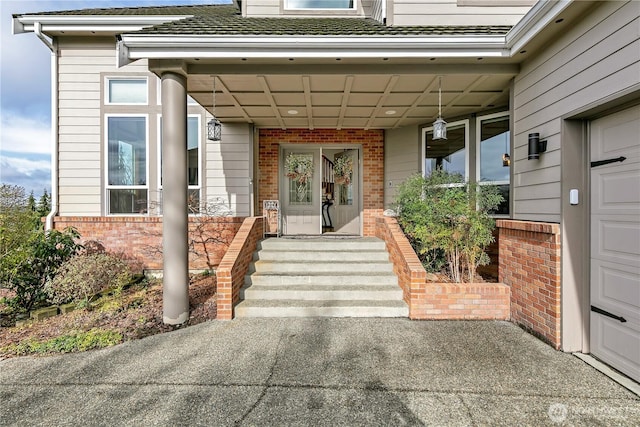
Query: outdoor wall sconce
x=506, y=160
x=536, y=146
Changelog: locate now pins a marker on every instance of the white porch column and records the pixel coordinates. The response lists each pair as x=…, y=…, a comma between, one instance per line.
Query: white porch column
x=175, y=282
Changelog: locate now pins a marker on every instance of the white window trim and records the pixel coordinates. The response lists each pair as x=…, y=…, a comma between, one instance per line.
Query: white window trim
x=479, y=121
x=107, y=100
x=423, y=146
x=106, y=165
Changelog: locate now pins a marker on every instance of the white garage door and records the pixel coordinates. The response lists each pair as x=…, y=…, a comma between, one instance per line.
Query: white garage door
x=615, y=240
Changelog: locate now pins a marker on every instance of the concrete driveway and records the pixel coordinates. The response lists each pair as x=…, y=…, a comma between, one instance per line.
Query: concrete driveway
x=326, y=372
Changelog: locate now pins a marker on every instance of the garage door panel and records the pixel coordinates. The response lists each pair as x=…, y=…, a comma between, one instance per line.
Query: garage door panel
x=613, y=135
x=617, y=345
x=616, y=189
x=615, y=241
x=618, y=291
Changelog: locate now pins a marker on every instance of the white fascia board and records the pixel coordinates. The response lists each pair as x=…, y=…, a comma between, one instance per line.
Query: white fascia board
x=118, y=24
x=163, y=47
x=539, y=16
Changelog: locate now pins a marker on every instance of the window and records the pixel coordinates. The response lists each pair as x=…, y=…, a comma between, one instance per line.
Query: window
x=127, y=91
x=320, y=4
x=193, y=160
x=494, y=148
x=127, y=191
x=449, y=154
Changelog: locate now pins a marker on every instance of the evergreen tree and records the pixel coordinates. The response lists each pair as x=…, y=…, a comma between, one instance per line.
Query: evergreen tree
x=44, y=204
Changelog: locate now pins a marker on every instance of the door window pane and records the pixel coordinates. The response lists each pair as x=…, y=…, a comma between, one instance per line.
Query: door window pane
x=449, y=154
x=128, y=91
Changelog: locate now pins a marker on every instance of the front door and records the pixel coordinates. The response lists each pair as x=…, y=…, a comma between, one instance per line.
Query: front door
x=346, y=203
x=301, y=198
x=615, y=241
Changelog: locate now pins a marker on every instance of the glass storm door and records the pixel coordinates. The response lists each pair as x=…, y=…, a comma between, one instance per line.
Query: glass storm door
x=301, y=197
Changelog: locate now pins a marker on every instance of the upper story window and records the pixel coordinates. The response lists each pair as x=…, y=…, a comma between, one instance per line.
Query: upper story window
x=127, y=91
x=320, y=4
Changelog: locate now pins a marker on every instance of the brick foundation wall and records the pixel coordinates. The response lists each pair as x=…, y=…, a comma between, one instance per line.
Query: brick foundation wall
x=427, y=300
x=372, y=142
x=235, y=265
x=140, y=237
x=530, y=256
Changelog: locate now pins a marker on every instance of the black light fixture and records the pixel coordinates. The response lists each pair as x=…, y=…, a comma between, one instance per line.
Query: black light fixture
x=439, y=126
x=214, y=127
x=536, y=146
x=506, y=160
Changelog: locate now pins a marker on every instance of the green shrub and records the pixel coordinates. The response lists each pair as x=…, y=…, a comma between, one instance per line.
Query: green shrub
x=448, y=222
x=82, y=277
x=27, y=268
x=81, y=341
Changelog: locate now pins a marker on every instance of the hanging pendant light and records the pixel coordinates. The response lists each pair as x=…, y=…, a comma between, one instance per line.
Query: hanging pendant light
x=439, y=126
x=214, y=127
x=506, y=158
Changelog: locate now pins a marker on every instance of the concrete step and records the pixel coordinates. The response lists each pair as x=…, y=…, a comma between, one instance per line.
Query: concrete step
x=322, y=244
x=316, y=293
x=326, y=308
x=330, y=277
x=378, y=279
x=319, y=267
x=322, y=256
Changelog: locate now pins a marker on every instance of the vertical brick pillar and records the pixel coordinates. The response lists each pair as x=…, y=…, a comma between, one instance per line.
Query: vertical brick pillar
x=530, y=260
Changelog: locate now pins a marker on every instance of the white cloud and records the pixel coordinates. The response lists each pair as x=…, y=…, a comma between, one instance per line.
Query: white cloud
x=34, y=174
x=21, y=134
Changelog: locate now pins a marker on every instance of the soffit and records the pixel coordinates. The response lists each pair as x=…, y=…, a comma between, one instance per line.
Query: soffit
x=369, y=101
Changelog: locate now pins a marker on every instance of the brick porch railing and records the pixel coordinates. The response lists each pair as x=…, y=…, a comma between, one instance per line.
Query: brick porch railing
x=430, y=300
x=235, y=264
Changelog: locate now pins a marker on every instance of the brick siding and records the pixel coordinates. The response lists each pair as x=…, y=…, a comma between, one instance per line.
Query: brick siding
x=235, y=265
x=372, y=142
x=140, y=237
x=530, y=256
x=428, y=300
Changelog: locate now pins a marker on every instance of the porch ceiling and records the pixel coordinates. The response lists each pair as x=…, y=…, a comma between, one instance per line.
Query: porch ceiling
x=334, y=97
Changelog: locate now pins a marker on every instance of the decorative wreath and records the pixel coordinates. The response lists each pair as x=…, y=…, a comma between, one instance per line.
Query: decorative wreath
x=299, y=167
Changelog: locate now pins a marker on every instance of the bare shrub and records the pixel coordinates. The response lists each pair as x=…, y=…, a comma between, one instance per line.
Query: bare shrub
x=84, y=276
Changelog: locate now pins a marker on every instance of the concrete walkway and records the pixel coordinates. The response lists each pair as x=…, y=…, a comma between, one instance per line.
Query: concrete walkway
x=326, y=372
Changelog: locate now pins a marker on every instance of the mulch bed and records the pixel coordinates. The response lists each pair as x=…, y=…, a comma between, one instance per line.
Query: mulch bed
x=136, y=313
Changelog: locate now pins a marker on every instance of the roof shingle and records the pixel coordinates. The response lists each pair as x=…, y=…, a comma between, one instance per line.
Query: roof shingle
x=225, y=20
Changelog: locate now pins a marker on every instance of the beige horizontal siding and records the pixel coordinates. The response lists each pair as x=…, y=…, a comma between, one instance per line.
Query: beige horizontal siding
x=228, y=169
x=447, y=12
x=402, y=159
x=594, y=59
x=80, y=165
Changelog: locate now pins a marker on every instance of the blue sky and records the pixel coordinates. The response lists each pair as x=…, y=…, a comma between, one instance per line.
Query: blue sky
x=25, y=91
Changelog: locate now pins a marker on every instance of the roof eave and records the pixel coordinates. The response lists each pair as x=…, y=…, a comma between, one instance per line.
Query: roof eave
x=51, y=24
x=134, y=47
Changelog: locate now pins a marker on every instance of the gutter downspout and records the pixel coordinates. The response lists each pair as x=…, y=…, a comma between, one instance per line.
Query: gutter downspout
x=37, y=28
